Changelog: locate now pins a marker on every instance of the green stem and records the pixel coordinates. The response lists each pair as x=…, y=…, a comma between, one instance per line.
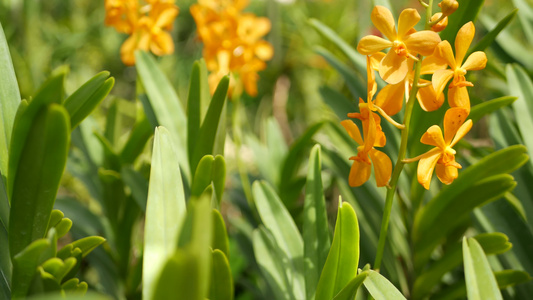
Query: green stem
x=401, y=154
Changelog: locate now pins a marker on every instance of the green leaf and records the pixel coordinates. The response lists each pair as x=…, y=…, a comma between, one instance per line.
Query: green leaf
x=272, y=263
x=202, y=175
x=350, y=290
x=509, y=278
x=63, y=227
x=337, y=102
x=220, y=235
x=165, y=209
x=315, y=224
x=380, y=288
x=50, y=92
x=485, y=108
x=221, y=279
x=138, y=185
x=59, y=268
x=449, y=201
x=85, y=99
x=194, y=104
x=356, y=58
x=75, y=287
x=9, y=101
x=480, y=281
x=467, y=11
x=43, y=154
x=55, y=217
x=277, y=219
x=343, y=258
x=521, y=86
x=219, y=177
x=180, y=275
x=85, y=245
x=492, y=243
x=208, y=131
x=139, y=136
x=165, y=104
x=355, y=85
x=448, y=214
x=490, y=37
x=25, y=265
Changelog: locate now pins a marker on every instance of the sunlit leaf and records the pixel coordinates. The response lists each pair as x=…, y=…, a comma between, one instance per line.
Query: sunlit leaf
x=480, y=281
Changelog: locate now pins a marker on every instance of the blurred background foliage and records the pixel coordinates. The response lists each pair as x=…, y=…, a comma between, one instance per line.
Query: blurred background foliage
x=301, y=100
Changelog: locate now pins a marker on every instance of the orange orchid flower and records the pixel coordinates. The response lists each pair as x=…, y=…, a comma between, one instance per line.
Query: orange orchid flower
x=391, y=97
x=457, y=93
x=121, y=14
x=151, y=32
x=442, y=157
x=366, y=153
x=404, y=43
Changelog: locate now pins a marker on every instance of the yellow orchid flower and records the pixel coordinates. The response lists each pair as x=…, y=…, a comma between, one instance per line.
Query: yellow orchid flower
x=367, y=154
x=404, y=43
x=151, y=32
x=442, y=157
x=391, y=97
x=121, y=14
x=232, y=41
x=457, y=93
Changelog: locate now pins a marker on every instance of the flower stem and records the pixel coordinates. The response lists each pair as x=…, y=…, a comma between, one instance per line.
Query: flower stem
x=397, y=170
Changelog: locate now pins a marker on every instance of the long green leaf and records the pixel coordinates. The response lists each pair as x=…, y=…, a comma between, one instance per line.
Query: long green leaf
x=489, y=38
x=6, y=267
x=355, y=85
x=221, y=279
x=139, y=136
x=220, y=235
x=85, y=99
x=521, y=86
x=180, y=277
x=50, y=92
x=277, y=219
x=272, y=263
x=480, y=281
x=343, y=258
x=165, y=209
x=208, y=131
x=380, y=288
x=194, y=104
x=25, y=265
x=485, y=108
x=9, y=101
x=350, y=290
x=165, y=104
x=315, y=224
x=43, y=155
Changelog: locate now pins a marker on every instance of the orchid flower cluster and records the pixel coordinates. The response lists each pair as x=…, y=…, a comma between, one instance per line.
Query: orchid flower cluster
x=148, y=23
x=232, y=41
x=411, y=54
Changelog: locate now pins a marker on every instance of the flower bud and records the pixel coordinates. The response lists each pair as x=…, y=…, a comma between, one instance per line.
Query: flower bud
x=441, y=24
x=448, y=6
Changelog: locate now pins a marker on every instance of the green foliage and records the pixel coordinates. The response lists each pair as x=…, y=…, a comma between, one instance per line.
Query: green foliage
x=480, y=281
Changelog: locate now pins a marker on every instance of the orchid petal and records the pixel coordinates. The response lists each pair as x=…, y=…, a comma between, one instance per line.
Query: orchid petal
x=162, y=44
x=463, y=40
x=428, y=99
x=423, y=42
x=375, y=59
x=444, y=51
x=384, y=21
x=393, y=68
x=458, y=97
x=371, y=44
x=425, y=169
x=353, y=131
x=433, y=137
x=440, y=79
x=446, y=174
x=432, y=63
x=476, y=61
x=453, y=119
x=382, y=167
x=407, y=20
x=461, y=132
x=359, y=173
x=390, y=98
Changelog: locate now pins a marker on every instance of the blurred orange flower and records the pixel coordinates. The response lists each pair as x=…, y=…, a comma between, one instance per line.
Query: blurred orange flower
x=232, y=41
x=148, y=26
